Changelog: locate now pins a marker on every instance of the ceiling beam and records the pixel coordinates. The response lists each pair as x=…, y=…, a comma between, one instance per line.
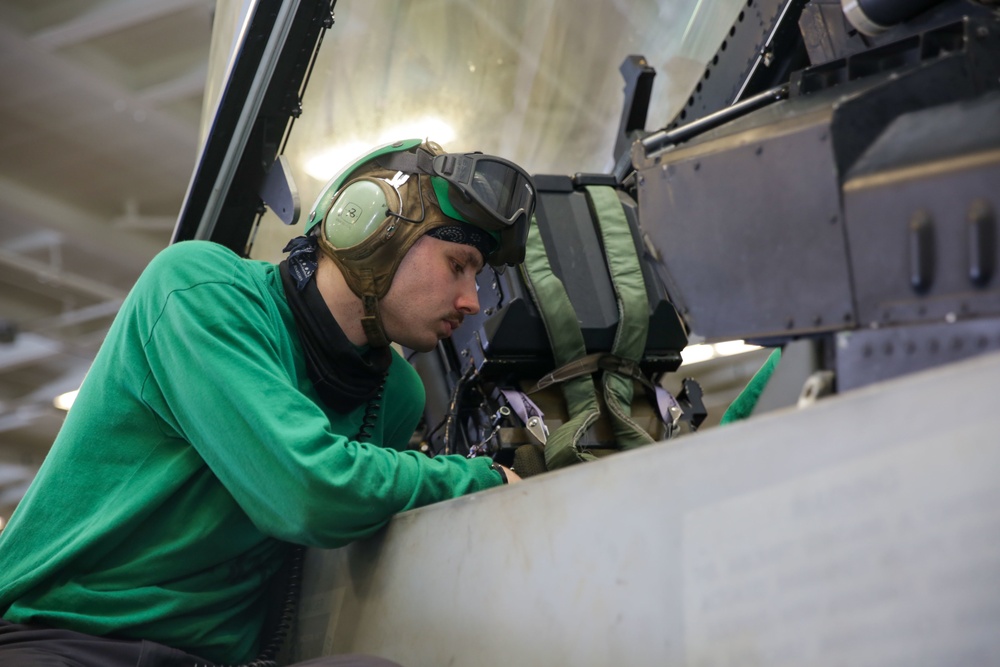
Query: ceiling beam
x=57, y=68
x=12, y=494
x=45, y=272
x=12, y=473
x=83, y=315
x=109, y=18
x=187, y=85
x=35, y=210
x=27, y=348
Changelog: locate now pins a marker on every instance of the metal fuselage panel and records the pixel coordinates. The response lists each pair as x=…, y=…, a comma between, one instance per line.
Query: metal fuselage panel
x=861, y=530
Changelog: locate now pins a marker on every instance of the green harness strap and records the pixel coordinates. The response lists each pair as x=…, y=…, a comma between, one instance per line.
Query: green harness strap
x=633, y=311
x=566, y=340
x=563, y=329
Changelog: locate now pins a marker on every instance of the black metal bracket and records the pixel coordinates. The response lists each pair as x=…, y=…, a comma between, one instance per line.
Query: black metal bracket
x=638, y=77
x=261, y=99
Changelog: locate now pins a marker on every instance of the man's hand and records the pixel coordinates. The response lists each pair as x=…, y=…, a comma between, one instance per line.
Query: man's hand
x=511, y=475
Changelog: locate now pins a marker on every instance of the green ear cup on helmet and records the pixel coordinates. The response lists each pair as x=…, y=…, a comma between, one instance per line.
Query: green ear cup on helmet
x=360, y=210
x=325, y=200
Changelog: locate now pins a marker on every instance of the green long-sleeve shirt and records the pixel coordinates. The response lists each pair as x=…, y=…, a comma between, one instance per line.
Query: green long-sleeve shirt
x=196, y=446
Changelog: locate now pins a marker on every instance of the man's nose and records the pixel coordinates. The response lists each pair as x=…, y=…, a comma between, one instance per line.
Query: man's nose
x=467, y=302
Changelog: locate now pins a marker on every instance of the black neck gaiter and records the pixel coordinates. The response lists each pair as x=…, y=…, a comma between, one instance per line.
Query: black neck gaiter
x=342, y=376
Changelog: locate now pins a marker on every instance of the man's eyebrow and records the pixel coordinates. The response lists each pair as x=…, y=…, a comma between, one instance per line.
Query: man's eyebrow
x=472, y=256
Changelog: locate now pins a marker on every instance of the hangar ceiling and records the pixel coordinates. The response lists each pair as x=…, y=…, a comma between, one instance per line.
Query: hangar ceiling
x=99, y=126
x=102, y=111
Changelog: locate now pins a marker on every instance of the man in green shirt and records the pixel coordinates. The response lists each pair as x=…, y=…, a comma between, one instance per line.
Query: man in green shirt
x=239, y=411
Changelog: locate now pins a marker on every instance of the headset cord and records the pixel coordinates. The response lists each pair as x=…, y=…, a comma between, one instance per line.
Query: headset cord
x=267, y=655
x=270, y=650
x=371, y=413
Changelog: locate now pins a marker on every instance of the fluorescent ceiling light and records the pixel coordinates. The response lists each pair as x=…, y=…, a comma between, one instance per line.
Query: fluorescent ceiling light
x=65, y=401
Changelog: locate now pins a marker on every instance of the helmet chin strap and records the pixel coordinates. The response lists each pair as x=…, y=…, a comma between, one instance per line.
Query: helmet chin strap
x=371, y=321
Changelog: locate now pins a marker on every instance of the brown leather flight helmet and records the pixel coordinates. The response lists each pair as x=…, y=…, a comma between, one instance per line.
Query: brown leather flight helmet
x=373, y=211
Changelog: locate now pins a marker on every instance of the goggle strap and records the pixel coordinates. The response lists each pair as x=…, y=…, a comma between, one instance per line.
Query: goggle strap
x=410, y=163
x=422, y=162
